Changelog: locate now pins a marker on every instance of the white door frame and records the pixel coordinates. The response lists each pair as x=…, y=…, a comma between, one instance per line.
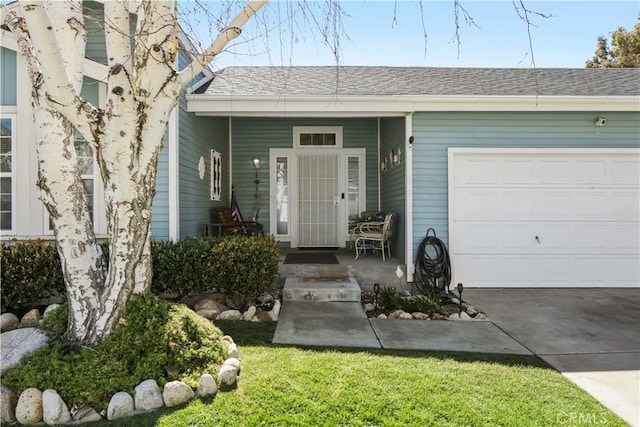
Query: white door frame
x=292, y=156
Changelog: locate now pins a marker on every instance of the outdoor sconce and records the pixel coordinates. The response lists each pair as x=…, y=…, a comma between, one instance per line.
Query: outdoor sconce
x=256, y=164
x=601, y=121
x=460, y=288
x=383, y=165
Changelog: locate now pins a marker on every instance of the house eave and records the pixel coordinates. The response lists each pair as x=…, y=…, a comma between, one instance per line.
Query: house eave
x=396, y=105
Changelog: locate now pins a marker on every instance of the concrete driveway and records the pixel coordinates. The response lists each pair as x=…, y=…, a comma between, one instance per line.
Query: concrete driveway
x=592, y=336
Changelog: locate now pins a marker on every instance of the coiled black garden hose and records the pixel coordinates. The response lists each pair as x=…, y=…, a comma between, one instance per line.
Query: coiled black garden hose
x=433, y=265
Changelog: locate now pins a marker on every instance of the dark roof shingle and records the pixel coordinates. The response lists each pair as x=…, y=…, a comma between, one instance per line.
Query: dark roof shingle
x=385, y=81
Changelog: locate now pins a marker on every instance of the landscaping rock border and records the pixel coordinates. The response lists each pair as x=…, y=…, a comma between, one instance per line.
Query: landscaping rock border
x=37, y=406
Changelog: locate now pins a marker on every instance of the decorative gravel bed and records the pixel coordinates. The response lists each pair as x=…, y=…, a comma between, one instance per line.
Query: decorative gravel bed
x=449, y=310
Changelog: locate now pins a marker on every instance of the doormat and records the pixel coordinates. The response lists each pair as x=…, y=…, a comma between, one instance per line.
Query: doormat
x=324, y=279
x=311, y=258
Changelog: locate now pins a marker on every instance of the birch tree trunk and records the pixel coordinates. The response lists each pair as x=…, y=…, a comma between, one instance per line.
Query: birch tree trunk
x=126, y=135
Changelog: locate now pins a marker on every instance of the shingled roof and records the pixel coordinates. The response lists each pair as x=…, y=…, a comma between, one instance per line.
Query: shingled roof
x=386, y=81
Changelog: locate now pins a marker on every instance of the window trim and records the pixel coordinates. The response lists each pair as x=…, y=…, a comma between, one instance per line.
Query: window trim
x=298, y=130
x=12, y=175
x=216, y=176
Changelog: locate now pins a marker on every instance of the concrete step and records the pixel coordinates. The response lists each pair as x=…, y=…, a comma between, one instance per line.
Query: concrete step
x=302, y=270
x=321, y=289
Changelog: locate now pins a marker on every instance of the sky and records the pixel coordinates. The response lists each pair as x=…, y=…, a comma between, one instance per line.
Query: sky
x=499, y=37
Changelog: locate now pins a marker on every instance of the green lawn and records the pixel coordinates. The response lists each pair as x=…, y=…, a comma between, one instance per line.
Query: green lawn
x=326, y=387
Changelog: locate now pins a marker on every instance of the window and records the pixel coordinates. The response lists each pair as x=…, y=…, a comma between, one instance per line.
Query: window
x=282, y=195
x=317, y=136
x=7, y=174
x=85, y=164
x=216, y=175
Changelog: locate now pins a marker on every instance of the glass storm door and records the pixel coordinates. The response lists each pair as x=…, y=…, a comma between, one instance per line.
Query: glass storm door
x=318, y=201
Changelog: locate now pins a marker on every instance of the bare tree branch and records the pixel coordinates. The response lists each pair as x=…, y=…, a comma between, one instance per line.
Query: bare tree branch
x=227, y=34
x=457, y=10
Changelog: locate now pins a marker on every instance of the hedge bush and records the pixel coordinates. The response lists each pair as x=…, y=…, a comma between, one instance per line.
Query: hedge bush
x=248, y=265
x=29, y=271
x=242, y=266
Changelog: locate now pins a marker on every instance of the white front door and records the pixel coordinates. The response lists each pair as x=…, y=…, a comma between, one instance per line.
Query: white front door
x=312, y=194
x=319, y=201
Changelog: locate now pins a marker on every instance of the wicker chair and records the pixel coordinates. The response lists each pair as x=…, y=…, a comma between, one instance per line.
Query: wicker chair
x=375, y=236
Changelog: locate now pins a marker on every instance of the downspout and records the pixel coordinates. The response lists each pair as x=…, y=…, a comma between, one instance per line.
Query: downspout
x=378, y=169
x=174, y=177
x=408, y=238
x=230, y=133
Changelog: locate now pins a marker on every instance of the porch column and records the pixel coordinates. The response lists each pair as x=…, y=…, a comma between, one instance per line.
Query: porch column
x=408, y=132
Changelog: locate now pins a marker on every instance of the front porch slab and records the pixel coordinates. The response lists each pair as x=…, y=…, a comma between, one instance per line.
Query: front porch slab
x=321, y=289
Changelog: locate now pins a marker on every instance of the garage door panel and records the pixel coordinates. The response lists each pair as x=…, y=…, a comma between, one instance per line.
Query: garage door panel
x=516, y=204
x=612, y=271
x=478, y=204
x=583, y=205
x=477, y=171
x=553, y=205
x=479, y=238
x=624, y=271
x=482, y=269
x=521, y=172
x=590, y=172
x=518, y=270
x=591, y=271
x=623, y=205
x=622, y=238
x=554, y=172
x=625, y=173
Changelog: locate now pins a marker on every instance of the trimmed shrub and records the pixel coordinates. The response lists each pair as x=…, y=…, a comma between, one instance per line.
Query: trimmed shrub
x=242, y=266
x=180, y=266
x=29, y=272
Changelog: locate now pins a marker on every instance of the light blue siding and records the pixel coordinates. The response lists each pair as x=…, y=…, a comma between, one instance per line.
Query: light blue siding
x=435, y=132
x=392, y=182
x=197, y=137
x=7, y=77
x=255, y=136
x=160, y=210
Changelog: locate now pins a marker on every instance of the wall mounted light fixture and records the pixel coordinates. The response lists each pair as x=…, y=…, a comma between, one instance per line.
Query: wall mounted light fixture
x=256, y=208
x=601, y=121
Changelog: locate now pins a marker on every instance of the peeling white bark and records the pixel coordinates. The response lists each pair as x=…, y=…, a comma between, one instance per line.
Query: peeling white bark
x=143, y=87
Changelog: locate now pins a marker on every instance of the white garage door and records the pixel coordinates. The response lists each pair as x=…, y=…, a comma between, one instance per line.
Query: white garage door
x=544, y=218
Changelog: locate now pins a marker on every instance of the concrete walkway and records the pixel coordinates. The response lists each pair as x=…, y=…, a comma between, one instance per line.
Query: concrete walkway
x=591, y=336
x=345, y=324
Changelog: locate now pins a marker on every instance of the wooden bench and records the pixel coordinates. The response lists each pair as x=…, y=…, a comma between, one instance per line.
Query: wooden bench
x=223, y=223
